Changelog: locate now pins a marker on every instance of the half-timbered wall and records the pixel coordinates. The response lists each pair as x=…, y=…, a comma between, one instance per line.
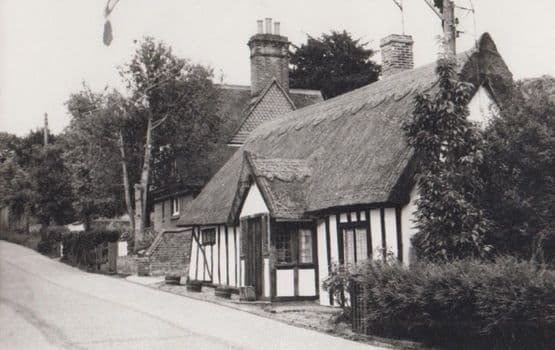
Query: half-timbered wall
x=387, y=233
x=216, y=263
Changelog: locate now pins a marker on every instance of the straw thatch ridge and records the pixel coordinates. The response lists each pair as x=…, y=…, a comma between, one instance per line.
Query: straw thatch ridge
x=353, y=145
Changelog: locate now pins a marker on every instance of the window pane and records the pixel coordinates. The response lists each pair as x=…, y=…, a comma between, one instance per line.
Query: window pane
x=362, y=247
x=348, y=247
x=305, y=246
x=283, y=247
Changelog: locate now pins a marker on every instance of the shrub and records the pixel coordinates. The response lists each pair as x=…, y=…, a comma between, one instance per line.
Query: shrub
x=51, y=236
x=506, y=304
x=79, y=247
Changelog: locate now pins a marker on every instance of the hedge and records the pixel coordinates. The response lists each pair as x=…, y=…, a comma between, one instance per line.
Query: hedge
x=506, y=304
x=79, y=247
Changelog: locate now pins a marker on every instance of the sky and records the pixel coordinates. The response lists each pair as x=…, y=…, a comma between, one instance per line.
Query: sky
x=48, y=48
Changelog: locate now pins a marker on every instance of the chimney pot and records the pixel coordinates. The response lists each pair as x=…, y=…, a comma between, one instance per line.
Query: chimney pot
x=276, y=28
x=260, y=27
x=268, y=25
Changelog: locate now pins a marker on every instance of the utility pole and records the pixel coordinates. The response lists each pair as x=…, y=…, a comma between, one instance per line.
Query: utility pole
x=45, y=131
x=448, y=23
x=450, y=27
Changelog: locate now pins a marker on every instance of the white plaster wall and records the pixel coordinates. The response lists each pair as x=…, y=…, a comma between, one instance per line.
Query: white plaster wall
x=242, y=273
x=390, y=231
x=285, y=283
x=122, y=248
x=254, y=203
x=334, y=250
x=306, y=282
x=231, y=254
x=267, y=277
x=376, y=228
x=482, y=108
x=408, y=224
x=222, y=253
x=322, y=260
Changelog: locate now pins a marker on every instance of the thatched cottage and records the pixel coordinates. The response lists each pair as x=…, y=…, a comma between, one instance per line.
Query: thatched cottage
x=331, y=182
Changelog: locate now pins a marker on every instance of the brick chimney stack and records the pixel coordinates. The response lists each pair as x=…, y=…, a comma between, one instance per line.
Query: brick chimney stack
x=397, y=54
x=269, y=53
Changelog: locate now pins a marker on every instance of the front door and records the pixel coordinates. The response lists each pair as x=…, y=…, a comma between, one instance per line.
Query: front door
x=254, y=230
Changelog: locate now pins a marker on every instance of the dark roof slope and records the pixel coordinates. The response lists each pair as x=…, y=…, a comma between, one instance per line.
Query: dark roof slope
x=353, y=144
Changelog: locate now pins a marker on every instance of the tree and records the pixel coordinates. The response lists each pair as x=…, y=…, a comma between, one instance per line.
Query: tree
x=92, y=153
x=450, y=220
x=334, y=64
x=50, y=179
x=519, y=163
x=173, y=107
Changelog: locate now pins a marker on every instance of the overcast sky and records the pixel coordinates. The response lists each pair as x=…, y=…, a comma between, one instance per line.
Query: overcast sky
x=49, y=47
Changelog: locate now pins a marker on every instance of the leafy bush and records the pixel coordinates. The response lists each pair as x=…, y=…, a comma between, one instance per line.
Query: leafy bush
x=79, y=247
x=506, y=304
x=51, y=236
x=338, y=284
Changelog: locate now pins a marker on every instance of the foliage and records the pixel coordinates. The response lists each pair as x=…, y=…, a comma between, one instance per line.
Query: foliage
x=51, y=237
x=450, y=220
x=15, y=188
x=519, y=162
x=29, y=240
x=80, y=247
x=179, y=96
x=338, y=283
x=49, y=174
x=335, y=63
x=92, y=153
x=506, y=304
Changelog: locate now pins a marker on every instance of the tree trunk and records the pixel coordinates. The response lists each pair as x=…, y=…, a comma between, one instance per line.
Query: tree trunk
x=139, y=231
x=125, y=175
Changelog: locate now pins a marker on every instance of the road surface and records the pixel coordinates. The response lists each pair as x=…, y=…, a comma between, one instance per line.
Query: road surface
x=45, y=304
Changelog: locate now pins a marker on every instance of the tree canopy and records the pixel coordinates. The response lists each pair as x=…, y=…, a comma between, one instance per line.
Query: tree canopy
x=451, y=221
x=334, y=63
x=519, y=170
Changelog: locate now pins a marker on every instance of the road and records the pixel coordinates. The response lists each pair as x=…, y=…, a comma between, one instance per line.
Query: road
x=45, y=304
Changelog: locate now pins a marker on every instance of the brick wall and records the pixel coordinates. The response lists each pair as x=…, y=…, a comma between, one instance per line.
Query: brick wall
x=397, y=54
x=269, y=60
x=170, y=252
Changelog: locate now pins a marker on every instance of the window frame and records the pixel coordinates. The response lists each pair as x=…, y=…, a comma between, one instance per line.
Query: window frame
x=203, y=236
x=293, y=231
x=354, y=226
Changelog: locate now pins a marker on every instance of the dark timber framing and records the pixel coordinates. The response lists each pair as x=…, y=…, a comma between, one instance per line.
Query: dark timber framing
x=226, y=256
x=382, y=221
x=399, y=234
x=368, y=235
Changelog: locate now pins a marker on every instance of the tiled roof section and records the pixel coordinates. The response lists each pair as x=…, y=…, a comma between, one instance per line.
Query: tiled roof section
x=272, y=102
x=354, y=145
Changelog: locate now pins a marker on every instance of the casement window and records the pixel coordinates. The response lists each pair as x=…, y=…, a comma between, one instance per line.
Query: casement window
x=175, y=206
x=355, y=244
x=305, y=246
x=208, y=236
x=294, y=245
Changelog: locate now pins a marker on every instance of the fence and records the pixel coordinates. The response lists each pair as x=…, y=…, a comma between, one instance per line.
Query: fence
x=358, y=308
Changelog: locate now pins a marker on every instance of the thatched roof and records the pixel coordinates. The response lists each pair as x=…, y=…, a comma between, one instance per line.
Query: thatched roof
x=349, y=150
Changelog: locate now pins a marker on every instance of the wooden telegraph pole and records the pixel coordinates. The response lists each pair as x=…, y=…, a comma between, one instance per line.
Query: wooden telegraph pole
x=447, y=16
